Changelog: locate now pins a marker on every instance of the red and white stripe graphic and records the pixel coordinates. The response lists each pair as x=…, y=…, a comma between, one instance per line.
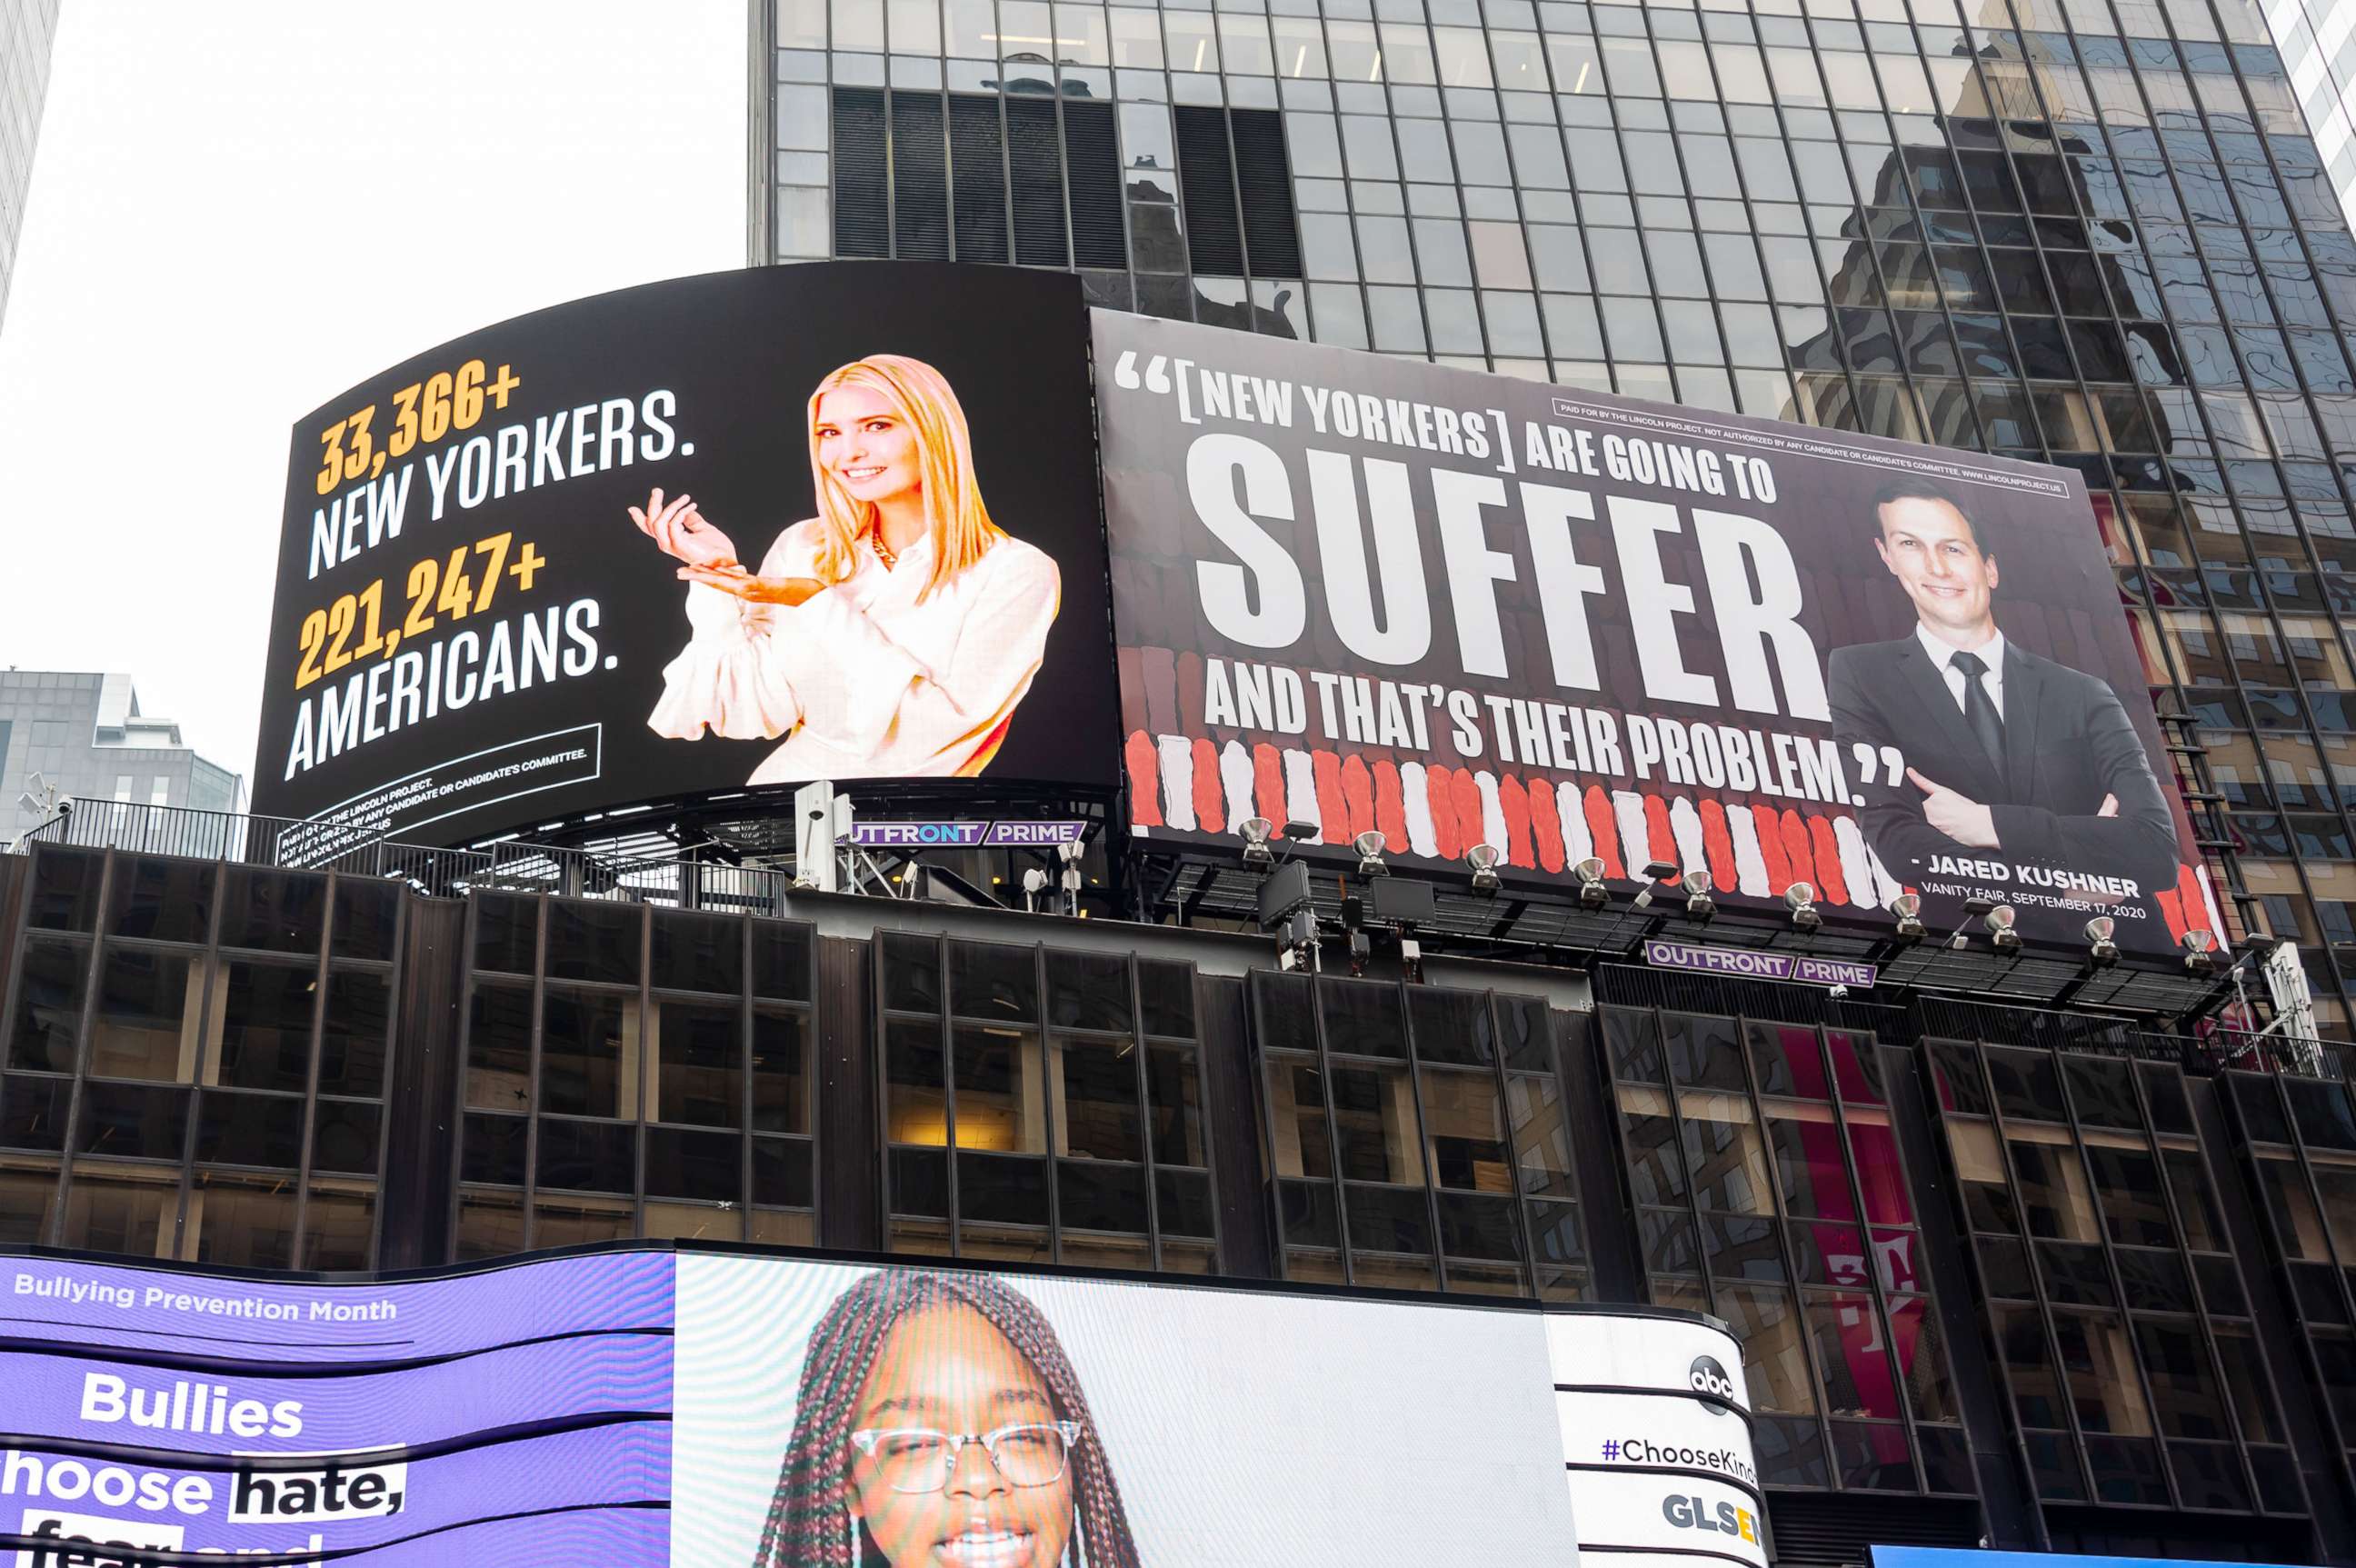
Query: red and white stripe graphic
x=1437, y=813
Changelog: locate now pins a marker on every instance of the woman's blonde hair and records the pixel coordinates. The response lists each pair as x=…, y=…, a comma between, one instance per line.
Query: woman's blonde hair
x=962, y=532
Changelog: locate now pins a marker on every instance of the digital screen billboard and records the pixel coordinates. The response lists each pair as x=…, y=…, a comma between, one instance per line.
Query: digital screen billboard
x=1964, y=1557
x=1374, y=595
x=638, y=1406
x=515, y=1416
x=904, y=1417
x=829, y=522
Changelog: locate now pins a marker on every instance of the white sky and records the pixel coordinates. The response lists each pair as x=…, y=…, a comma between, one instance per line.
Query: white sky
x=239, y=210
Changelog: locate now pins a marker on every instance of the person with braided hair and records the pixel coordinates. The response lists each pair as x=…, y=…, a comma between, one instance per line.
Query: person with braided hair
x=940, y=1424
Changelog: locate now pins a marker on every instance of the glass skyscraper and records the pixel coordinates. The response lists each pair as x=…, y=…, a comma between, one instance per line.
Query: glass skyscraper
x=27, y=27
x=2094, y=234
x=2318, y=40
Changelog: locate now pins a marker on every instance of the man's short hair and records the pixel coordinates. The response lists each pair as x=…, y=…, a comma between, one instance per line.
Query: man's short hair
x=1917, y=489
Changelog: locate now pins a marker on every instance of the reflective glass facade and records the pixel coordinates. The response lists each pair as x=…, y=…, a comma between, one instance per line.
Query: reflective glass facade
x=1082, y=1141
x=632, y=1076
x=197, y=1057
x=1983, y=1290
x=2093, y=234
x=2298, y=1148
x=1401, y=1123
x=2318, y=40
x=27, y=27
x=1770, y=1191
x=2120, y=1322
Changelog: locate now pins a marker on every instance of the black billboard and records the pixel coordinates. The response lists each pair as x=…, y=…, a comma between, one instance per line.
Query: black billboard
x=831, y=521
x=1460, y=610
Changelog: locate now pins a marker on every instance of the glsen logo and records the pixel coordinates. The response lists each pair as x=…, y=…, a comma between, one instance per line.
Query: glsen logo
x=1723, y=1518
x=1709, y=1378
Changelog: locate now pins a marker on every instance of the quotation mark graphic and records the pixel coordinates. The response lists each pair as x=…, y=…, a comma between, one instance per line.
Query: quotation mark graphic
x=1611, y=1448
x=1157, y=378
x=1887, y=765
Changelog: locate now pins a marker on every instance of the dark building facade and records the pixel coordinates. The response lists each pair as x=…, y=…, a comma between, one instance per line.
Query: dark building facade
x=2094, y=234
x=2036, y=1278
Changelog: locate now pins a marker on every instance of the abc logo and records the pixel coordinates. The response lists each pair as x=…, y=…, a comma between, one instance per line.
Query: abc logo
x=1709, y=1378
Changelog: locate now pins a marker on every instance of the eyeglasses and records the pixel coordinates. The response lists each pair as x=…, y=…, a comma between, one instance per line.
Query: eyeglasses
x=918, y=1459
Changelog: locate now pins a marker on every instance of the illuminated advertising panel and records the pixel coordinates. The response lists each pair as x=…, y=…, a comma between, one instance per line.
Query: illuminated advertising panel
x=832, y=522
x=638, y=1406
x=851, y=1414
x=1377, y=596
x=520, y=1415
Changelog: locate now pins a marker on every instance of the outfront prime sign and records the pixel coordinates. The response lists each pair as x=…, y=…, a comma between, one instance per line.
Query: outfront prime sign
x=1759, y=964
x=1000, y=833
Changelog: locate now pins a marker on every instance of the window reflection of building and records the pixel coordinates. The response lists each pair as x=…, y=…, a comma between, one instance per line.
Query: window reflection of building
x=1069, y=1125
x=1915, y=306
x=227, y=1104
x=1770, y=1191
x=2298, y=1145
x=1402, y=1122
x=2121, y=1333
x=632, y=1072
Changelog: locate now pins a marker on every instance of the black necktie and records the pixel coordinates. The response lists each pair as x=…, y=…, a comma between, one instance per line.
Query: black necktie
x=1979, y=712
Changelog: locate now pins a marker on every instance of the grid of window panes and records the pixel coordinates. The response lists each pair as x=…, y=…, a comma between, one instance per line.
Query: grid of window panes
x=2090, y=233
x=2319, y=44
x=2298, y=1136
x=633, y=1073
x=196, y=1061
x=1062, y=135
x=2116, y=1312
x=1402, y=1124
x=1042, y=1106
x=1769, y=1190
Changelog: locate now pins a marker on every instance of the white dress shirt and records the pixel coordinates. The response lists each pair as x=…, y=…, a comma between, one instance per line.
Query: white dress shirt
x=1990, y=653
x=866, y=679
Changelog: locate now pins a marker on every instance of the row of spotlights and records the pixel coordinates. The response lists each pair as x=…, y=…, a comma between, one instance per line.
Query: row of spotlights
x=1588, y=873
x=2001, y=922
x=1907, y=909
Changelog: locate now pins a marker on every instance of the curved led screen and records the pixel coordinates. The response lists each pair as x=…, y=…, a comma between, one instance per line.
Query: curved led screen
x=832, y=521
x=638, y=1406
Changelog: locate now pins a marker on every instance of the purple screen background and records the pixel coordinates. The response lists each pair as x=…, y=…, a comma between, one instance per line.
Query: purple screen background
x=530, y=1405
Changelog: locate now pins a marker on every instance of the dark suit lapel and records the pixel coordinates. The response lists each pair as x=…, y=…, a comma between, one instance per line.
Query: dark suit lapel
x=2024, y=707
x=1928, y=688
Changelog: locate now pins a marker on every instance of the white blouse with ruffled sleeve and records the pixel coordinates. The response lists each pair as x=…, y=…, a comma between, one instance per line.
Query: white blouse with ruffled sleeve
x=864, y=680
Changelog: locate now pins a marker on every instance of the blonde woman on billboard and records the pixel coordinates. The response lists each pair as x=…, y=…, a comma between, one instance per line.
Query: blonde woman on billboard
x=892, y=635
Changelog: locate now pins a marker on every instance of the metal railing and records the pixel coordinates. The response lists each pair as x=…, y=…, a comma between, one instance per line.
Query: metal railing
x=286, y=843
x=1936, y=1015
x=2203, y=1054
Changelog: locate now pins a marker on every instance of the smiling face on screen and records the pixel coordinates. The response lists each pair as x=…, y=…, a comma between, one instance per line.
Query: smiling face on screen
x=947, y=1370
x=1931, y=549
x=865, y=444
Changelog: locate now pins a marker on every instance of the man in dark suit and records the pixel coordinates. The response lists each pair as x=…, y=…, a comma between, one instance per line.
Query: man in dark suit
x=2009, y=757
